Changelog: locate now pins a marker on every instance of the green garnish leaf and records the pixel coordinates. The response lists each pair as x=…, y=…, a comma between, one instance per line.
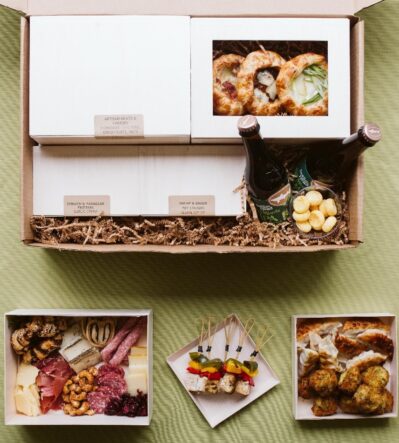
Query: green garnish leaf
x=313, y=99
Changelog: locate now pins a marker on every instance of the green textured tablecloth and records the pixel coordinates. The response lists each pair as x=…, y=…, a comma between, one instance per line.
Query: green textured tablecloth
x=180, y=288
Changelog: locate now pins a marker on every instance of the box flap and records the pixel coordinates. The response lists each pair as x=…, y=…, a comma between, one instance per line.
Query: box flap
x=189, y=7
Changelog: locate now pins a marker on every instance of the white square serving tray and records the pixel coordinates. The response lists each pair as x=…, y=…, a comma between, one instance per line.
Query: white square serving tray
x=219, y=407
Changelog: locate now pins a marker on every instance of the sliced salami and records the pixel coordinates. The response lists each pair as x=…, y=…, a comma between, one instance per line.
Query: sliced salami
x=109, y=391
x=118, y=385
x=112, y=346
x=128, y=342
x=110, y=369
x=98, y=401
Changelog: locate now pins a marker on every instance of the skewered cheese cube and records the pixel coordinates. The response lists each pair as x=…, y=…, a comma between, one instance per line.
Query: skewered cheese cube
x=301, y=217
x=329, y=224
x=301, y=204
x=314, y=197
x=316, y=220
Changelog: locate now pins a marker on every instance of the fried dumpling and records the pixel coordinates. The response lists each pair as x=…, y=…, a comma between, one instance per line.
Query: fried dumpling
x=308, y=359
x=377, y=340
x=328, y=353
x=352, y=328
x=350, y=347
x=321, y=328
x=365, y=360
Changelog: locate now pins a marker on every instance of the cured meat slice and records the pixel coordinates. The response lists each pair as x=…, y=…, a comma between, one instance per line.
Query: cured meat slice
x=112, y=346
x=98, y=401
x=109, y=391
x=53, y=374
x=116, y=385
x=110, y=369
x=128, y=342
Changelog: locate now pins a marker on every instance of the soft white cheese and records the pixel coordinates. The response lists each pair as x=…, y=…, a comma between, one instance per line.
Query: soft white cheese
x=136, y=362
x=137, y=381
x=26, y=375
x=27, y=400
x=302, y=90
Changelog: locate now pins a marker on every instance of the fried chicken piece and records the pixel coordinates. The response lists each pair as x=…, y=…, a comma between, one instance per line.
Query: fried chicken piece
x=376, y=377
x=324, y=382
x=321, y=327
x=371, y=400
x=347, y=404
x=356, y=326
x=323, y=407
x=304, y=390
x=349, y=381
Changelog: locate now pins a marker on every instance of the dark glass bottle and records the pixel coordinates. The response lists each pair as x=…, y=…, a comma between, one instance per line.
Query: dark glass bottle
x=265, y=177
x=330, y=164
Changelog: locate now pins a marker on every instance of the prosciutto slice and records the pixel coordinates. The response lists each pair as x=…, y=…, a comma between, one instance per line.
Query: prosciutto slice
x=53, y=374
x=112, y=346
x=130, y=340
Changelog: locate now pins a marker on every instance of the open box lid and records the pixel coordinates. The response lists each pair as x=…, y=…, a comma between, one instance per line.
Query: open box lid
x=190, y=7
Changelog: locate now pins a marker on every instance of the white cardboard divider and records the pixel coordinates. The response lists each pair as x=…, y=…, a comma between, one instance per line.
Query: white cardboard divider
x=11, y=417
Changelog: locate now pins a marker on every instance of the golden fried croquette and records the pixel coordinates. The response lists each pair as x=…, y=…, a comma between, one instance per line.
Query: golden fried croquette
x=324, y=382
x=323, y=406
x=376, y=377
x=370, y=400
x=304, y=390
x=349, y=381
x=347, y=404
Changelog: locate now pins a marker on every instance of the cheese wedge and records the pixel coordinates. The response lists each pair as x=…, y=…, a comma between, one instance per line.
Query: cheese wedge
x=138, y=351
x=136, y=381
x=26, y=375
x=27, y=400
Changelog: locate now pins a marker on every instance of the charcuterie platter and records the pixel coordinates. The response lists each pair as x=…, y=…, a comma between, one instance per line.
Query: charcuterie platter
x=72, y=369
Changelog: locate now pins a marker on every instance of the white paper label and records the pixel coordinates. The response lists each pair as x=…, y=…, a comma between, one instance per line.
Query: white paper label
x=123, y=125
x=191, y=205
x=86, y=205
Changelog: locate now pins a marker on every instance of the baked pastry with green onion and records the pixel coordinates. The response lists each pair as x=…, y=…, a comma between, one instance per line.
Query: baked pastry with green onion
x=302, y=85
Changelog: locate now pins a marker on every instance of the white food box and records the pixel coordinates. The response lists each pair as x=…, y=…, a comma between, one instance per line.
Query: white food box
x=334, y=32
x=116, y=70
x=217, y=408
x=11, y=417
x=302, y=408
x=139, y=180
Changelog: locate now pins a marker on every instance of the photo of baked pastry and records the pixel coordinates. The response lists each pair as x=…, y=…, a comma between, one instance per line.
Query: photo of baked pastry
x=267, y=78
x=344, y=366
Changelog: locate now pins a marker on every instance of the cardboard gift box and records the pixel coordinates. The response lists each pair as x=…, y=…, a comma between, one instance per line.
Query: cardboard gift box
x=103, y=79
x=215, y=39
x=12, y=417
x=208, y=9
x=302, y=408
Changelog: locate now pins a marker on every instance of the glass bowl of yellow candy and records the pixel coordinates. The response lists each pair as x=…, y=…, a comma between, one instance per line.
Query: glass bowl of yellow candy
x=316, y=212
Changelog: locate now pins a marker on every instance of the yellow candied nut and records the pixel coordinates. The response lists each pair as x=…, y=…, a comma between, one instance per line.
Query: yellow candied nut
x=301, y=204
x=323, y=209
x=329, y=224
x=301, y=217
x=314, y=197
x=316, y=220
x=304, y=226
x=330, y=206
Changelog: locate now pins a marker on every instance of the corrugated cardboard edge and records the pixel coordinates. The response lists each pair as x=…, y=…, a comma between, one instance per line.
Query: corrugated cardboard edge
x=183, y=249
x=295, y=318
x=26, y=162
x=356, y=184
x=187, y=7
